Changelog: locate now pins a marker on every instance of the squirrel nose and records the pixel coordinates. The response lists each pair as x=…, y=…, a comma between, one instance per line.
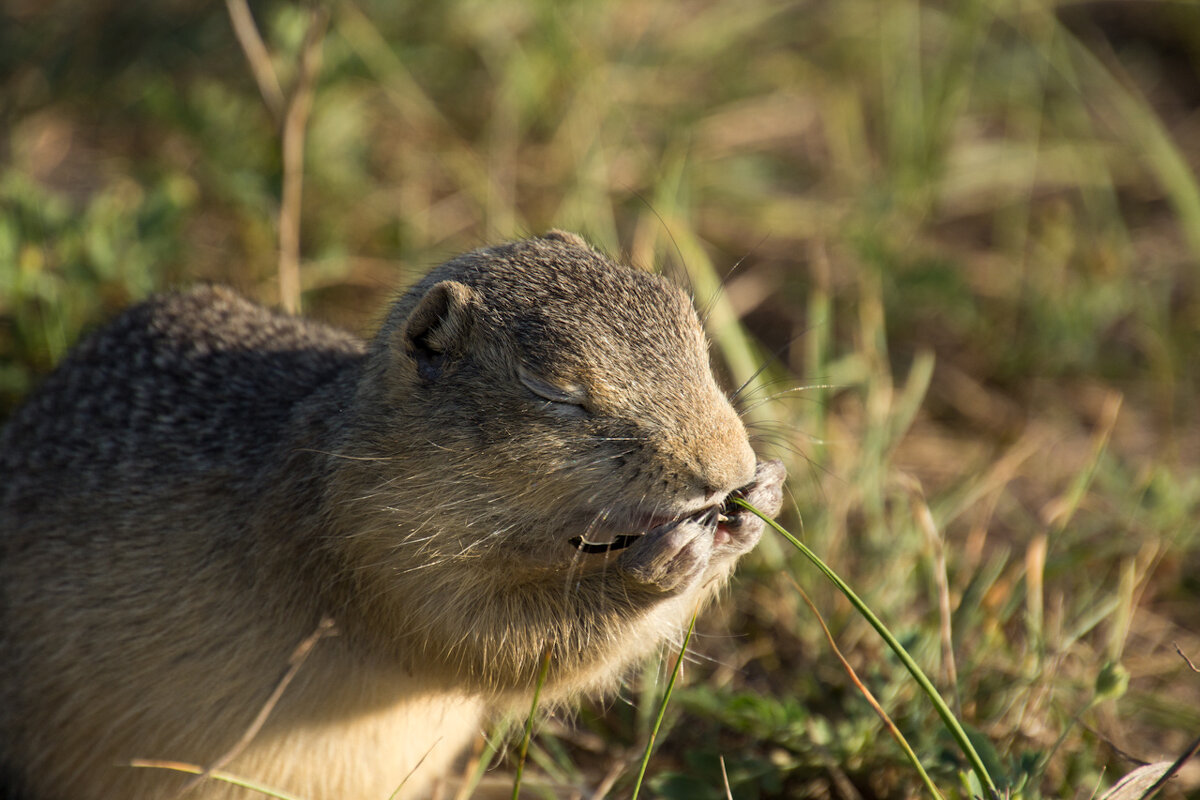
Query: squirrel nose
x=732, y=470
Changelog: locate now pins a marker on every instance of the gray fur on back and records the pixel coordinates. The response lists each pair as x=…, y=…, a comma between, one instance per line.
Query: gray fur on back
x=195, y=385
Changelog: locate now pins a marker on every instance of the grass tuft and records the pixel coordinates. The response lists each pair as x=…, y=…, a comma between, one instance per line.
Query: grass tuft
x=959, y=239
x=951, y=722
x=662, y=706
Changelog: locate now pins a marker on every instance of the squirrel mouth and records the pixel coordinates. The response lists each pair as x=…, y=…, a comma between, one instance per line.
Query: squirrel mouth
x=721, y=519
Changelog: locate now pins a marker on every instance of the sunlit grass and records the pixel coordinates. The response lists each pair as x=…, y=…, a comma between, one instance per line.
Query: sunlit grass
x=965, y=239
x=951, y=722
x=215, y=775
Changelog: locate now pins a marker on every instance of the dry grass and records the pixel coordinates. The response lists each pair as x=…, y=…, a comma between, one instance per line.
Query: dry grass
x=963, y=237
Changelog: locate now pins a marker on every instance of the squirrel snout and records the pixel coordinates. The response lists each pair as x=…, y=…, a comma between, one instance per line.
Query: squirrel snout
x=728, y=463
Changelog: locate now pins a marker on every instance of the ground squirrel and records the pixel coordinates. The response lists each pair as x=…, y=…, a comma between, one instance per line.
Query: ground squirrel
x=532, y=454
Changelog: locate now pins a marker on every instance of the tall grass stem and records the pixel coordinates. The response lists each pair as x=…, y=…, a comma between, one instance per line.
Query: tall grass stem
x=537, y=692
x=662, y=707
x=952, y=724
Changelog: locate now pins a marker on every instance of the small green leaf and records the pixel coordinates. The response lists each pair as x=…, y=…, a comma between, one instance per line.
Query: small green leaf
x=1112, y=681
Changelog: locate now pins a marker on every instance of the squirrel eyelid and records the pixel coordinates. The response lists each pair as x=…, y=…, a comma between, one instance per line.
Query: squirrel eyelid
x=571, y=394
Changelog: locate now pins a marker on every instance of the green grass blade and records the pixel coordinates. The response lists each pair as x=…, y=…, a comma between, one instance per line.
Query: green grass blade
x=537, y=691
x=662, y=708
x=216, y=774
x=1162, y=155
x=952, y=724
x=491, y=745
x=870, y=698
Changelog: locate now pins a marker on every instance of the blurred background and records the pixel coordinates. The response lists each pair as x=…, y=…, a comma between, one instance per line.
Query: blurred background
x=953, y=248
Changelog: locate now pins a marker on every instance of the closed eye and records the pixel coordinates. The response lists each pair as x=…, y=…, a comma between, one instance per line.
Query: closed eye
x=571, y=395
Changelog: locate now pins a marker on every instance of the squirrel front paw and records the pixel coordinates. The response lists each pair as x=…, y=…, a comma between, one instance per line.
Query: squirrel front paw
x=740, y=529
x=670, y=557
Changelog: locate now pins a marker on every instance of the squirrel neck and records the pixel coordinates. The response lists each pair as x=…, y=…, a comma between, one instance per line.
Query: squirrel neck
x=304, y=509
x=294, y=512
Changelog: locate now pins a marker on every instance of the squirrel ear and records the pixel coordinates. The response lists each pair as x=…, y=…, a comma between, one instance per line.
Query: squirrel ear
x=437, y=328
x=567, y=238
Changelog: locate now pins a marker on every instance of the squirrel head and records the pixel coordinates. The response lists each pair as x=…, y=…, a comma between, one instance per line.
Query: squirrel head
x=541, y=366
x=544, y=445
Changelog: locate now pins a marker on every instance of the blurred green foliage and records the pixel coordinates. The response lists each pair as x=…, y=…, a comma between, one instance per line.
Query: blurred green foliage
x=956, y=233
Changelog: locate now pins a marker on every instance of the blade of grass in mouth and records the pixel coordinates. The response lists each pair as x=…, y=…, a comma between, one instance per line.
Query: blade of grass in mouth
x=948, y=718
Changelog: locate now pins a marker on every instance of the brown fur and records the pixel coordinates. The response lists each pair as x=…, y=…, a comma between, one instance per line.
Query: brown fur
x=203, y=481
